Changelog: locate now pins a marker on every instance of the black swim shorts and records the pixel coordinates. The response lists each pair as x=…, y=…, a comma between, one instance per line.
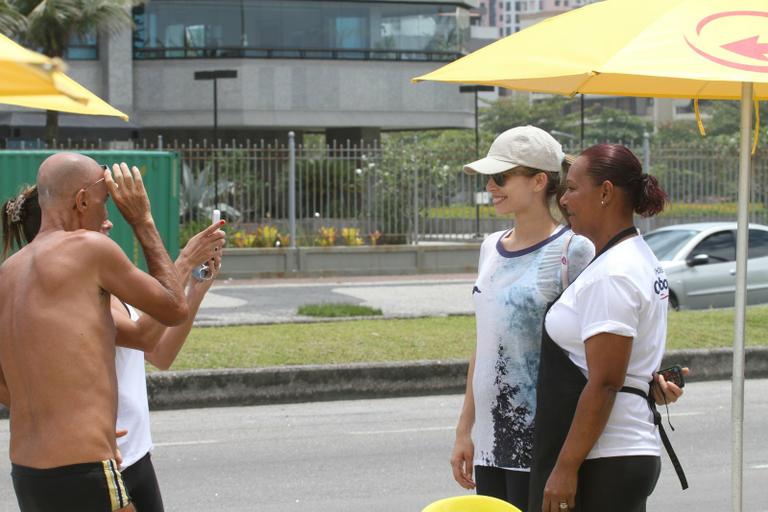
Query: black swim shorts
x=91, y=487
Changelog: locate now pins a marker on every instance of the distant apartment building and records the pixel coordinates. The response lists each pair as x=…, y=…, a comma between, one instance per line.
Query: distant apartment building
x=530, y=12
x=342, y=68
x=509, y=17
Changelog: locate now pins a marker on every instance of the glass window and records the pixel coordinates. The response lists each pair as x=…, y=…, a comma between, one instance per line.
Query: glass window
x=84, y=47
x=221, y=28
x=666, y=244
x=758, y=243
x=719, y=247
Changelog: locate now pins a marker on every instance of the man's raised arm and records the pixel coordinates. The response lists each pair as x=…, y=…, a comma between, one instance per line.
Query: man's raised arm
x=130, y=197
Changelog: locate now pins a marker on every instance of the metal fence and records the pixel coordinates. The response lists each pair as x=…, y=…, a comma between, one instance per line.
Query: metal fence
x=345, y=194
x=409, y=192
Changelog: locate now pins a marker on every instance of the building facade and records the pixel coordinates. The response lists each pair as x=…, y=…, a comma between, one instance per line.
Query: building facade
x=339, y=67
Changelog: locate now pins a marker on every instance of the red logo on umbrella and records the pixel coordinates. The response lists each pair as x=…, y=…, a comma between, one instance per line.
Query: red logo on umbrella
x=751, y=47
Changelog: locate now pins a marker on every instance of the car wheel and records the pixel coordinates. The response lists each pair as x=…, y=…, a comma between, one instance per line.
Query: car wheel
x=673, y=303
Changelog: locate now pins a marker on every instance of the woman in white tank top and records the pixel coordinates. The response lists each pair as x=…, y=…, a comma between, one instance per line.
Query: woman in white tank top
x=141, y=338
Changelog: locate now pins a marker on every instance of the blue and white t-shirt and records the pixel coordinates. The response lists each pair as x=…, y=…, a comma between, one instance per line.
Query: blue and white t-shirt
x=511, y=293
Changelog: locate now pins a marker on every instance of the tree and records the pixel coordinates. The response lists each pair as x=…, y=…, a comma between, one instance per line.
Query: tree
x=508, y=112
x=605, y=124
x=11, y=20
x=721, y=121
x=48, y=26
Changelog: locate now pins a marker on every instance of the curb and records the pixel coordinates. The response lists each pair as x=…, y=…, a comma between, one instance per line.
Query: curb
x=213, y=388
x=291, y=384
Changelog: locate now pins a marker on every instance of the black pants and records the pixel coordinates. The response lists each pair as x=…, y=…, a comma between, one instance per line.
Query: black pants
x=92, y=487
x=617, y=483
x=505, y=484
x=141, y=482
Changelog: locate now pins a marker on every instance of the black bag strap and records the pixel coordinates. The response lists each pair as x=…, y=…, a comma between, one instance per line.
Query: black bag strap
x=663, y=433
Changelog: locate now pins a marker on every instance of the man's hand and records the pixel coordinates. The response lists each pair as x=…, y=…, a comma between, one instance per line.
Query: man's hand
x=666, y=392
x=118, y=455
x=127, y=190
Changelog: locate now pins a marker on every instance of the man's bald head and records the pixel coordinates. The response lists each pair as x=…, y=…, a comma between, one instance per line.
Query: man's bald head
x=61, y=175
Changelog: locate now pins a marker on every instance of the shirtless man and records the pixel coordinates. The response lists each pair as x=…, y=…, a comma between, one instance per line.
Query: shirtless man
x=57, y=337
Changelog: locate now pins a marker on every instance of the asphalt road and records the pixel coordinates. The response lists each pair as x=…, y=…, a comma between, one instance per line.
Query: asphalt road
x=270, y=301
x=392, y=455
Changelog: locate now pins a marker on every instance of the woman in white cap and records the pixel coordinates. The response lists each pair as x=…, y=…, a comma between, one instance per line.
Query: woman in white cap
x=520, y=271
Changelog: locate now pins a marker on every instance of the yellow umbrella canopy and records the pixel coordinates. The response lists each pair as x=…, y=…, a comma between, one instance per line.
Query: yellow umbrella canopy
x=88, y=103
x=24, y=72
x=661, y=48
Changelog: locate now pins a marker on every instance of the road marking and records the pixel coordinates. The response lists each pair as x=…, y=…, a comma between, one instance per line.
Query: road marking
x=188, y=443
x=759, y=466
x=399, y=431
x=215, y=300
x=679, y=414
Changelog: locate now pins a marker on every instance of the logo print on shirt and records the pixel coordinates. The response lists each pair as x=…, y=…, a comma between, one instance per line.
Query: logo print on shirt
x=661, y=287
x=476, y=290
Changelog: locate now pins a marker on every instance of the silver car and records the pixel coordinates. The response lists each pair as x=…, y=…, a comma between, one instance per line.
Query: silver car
x=700, y=262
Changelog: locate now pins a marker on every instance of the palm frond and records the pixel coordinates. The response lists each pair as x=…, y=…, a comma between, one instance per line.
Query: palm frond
x=51, y=23
x=107, y=16
x=12, y=22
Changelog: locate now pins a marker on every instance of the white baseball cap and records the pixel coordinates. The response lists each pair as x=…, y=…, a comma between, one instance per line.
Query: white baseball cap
x=524, y=145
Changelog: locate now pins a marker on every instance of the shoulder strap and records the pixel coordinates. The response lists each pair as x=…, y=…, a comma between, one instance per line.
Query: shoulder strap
x=564, y=260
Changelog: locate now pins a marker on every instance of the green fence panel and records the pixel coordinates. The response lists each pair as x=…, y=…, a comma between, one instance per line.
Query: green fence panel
x=159, y=170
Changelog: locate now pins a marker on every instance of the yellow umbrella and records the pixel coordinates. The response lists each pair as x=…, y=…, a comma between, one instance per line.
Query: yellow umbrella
x=24, y=72
x=660, y=48
x=88, y=103
x=699, y=49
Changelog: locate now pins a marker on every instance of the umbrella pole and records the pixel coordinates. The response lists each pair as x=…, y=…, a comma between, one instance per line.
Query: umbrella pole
x=737, y=382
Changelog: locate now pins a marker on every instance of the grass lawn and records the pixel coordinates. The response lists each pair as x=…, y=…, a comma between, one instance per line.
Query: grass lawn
x=404, y=340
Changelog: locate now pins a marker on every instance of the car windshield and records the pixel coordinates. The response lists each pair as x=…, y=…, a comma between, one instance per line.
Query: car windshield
x=665, y=244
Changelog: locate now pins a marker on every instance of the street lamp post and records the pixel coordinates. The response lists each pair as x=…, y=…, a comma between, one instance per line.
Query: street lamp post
x=475, y=89
x=215, y=76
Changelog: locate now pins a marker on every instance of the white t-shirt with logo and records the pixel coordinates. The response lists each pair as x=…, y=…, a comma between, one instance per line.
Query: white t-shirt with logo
x=511, y=293
x=132, y=403
x=623, y=292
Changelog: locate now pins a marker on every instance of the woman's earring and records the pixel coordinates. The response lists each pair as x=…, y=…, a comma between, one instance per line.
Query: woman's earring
x=602, y=202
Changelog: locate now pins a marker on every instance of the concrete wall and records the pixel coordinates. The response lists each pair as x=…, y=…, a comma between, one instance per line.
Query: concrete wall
x=381, y=260
x=297, y=94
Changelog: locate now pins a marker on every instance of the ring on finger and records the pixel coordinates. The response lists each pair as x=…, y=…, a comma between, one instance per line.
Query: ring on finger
x=563, y=505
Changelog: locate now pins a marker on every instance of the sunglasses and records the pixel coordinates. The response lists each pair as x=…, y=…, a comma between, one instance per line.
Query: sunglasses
x=500, y=178
x=103, y=166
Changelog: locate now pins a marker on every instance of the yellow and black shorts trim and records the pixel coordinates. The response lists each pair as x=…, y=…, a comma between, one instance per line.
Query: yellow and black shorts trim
x=118, y=496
